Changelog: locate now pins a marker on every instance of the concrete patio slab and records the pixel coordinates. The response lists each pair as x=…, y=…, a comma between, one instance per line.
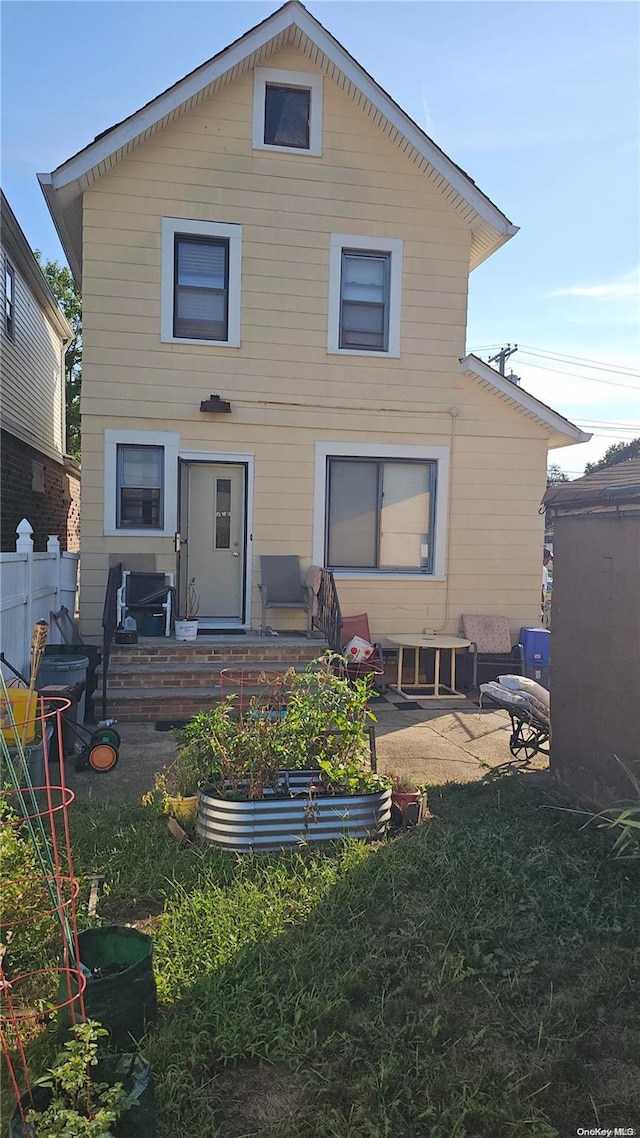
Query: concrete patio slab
x=429, y=746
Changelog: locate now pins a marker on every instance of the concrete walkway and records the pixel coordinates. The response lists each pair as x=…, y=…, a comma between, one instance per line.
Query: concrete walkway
x=430, y=746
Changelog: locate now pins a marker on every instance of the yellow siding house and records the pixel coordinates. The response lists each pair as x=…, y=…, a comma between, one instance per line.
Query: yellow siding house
x=275, y=231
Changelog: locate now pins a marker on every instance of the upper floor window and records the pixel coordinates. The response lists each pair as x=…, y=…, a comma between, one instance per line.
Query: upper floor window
x=201, y=267
x=201, y=303
x=287, y=111
x=9, y=299
x=365, y=292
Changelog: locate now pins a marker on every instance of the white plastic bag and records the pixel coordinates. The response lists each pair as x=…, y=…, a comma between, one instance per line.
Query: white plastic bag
x=358, y=650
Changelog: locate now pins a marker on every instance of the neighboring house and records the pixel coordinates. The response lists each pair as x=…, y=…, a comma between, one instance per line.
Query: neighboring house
x=595, y=662
x=38, y=481
x=275, y=230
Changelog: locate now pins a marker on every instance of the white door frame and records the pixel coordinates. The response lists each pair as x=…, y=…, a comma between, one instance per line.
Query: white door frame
x=234, y=458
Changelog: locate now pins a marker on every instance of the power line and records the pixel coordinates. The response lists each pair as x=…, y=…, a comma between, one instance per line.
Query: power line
x=585, y=378
x=594, y=365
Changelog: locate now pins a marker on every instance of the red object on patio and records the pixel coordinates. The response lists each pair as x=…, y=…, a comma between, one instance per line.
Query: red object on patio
x=359, y=626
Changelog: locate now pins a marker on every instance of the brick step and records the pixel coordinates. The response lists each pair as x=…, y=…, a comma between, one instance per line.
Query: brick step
x=146, y=705
x=222, y=655
x=194, y=674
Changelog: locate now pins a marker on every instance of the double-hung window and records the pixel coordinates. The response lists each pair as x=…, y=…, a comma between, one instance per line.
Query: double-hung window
x=201, y=306
x=364, y=300
x=140, y=476
x=201, y=267
x=380, y=514
x=365, y=292
x=9, y=299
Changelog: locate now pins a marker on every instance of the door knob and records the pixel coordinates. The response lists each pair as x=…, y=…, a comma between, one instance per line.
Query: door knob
x=235, y=554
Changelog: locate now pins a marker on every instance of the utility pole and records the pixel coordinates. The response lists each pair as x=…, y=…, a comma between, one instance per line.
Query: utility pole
x=502, y=356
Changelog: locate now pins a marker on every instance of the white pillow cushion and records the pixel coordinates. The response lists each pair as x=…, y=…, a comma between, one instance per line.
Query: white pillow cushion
x=524, y=684
x=504, y=695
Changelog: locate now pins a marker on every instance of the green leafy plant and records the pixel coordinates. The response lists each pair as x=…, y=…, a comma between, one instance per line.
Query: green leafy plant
x=309, y=719
x=625, y=820
x=26, y=927
x=79, y=1107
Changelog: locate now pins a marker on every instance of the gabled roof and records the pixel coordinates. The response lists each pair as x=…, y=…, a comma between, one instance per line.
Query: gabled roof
x=562, y=432
x=291, y=24
x=21, y=253
x=616, y=485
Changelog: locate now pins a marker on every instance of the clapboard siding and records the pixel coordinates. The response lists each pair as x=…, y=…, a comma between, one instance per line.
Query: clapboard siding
x=286, y=390
x=31, y=372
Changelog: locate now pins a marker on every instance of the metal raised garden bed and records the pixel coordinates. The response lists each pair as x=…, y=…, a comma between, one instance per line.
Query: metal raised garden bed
x=271, y=823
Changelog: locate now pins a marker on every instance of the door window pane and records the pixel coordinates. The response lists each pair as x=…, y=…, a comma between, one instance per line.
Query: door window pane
x=140, y=485
x=352, y=529
x=286, y=116
x=201, y=288
x=364, y=301
x=222, y=527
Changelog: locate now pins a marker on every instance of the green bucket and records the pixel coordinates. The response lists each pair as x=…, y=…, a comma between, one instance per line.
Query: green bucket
x=122, y=997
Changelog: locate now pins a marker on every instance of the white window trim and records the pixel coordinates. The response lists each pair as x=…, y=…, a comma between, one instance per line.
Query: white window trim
x=306, y=80
x=232, y=233
x=171, y=444
x=439, y=454
x=392, y=245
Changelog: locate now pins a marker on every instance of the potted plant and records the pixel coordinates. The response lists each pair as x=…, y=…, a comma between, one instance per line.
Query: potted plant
x=84, y=1094
x=186, y=625
x=175, y=788
x=281, y=779
x=403, y=790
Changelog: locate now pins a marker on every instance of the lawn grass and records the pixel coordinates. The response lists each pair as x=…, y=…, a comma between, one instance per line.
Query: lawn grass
x=476, y=977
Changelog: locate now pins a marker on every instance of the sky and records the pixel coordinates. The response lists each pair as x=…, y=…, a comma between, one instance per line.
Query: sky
x=538, y=102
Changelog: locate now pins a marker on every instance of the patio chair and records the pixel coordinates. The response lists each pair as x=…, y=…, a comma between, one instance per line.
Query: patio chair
x=146, y=592
x=491, y=646
x=282, y=588
x=359, y=626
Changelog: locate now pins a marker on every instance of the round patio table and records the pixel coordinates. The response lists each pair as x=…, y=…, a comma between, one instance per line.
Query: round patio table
x=436, y=690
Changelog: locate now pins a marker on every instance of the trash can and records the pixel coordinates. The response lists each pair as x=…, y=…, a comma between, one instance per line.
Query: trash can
x=94, y=656
x=65, y=670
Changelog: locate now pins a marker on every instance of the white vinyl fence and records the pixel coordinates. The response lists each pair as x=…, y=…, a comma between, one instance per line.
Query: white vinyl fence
x=32, y=586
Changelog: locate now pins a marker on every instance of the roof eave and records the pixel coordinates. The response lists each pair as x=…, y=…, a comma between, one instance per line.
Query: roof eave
x=31, y=271
x=75, y=173
x=562, y=431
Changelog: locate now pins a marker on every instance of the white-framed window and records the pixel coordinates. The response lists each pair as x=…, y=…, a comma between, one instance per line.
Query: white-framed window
x=140, y=483
x=201, y=282
x=9, y=300
x=287, y=111
x=365, y=295
x=381, y=510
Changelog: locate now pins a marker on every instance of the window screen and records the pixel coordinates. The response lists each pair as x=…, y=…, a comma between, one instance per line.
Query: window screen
x=286, y=116
x=364, y=300
x=140, y=487
x=201, y=288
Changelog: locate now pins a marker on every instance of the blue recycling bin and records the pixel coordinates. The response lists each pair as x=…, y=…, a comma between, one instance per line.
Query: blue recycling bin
x=536, y=644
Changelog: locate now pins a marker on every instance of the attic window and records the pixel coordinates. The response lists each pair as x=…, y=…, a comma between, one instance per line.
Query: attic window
x=286, y=116
x=287, y=111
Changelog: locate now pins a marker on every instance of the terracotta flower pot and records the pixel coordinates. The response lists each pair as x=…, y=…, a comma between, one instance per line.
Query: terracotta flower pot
x=402, y=798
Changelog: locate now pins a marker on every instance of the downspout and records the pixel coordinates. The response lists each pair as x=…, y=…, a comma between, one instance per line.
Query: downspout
x=453, y=412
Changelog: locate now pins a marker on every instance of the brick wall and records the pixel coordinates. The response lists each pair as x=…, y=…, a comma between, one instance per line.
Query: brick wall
x=55, y=509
